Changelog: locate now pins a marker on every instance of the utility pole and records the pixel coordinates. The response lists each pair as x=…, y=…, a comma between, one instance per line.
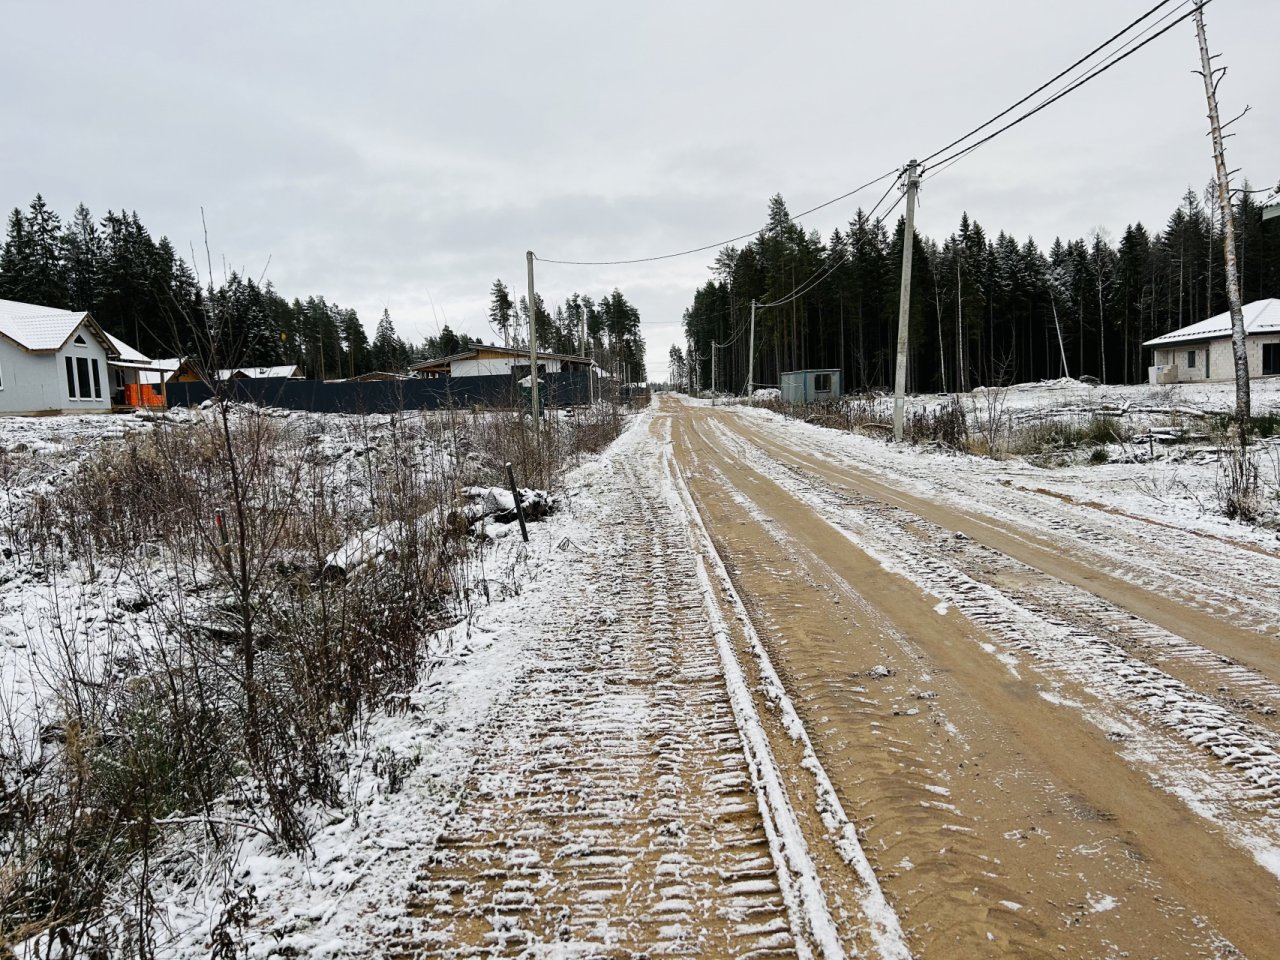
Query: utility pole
x=713, y=373
x=751, y=354
x=904, y=302
x=1238, y=344
x=584, y=353
x=533, y=342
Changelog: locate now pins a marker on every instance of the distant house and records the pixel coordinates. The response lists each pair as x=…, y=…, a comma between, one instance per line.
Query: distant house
x=1202, y=351
x=481, y=360
x=61, y=361
x=178, y=370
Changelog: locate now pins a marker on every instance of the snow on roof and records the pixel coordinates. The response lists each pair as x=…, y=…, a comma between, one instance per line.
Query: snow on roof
x=1261, y=316
x=475, y=348
x=127, y=353
x=261, y=373
x=36, y=327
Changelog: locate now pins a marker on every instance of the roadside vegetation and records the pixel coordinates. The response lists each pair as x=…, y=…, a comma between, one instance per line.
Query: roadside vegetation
x=983, y=423
x=213, y=609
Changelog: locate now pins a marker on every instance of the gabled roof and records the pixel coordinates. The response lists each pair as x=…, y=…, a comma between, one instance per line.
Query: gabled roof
x=1261, y=316
x=34, y=327
x=127, y=353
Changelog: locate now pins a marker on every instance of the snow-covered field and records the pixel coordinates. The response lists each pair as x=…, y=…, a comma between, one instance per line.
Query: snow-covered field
x=1146, y=474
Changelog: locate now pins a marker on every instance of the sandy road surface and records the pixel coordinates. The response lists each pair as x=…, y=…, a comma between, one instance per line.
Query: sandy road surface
x=617, y=808
x=1055, y=728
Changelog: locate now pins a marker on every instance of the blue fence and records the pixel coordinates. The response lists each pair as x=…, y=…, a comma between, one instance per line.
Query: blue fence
x=386, y=396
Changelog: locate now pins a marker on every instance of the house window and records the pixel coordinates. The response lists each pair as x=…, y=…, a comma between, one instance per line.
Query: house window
x=79, y=340
x=1271, y=359
x=84, y=378
x=1, y=379
x=1191, y=359
x=1208, y=352
x=822, y=383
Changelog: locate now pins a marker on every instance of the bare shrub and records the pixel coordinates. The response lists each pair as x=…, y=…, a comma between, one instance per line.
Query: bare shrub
x=1238, y=487
x=267, y=584
x=947, y=426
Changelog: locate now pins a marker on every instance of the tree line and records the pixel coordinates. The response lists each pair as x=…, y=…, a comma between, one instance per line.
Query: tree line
x=983, y=310
x=606, y=329
x=140, y=290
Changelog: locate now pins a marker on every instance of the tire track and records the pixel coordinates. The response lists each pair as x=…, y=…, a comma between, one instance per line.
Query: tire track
x=613, y=813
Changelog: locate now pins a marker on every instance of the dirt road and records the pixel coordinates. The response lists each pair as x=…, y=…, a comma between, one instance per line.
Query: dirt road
x=792, y=693
x=1055, y=729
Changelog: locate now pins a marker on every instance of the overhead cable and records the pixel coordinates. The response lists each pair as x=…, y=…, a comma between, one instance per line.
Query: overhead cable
x=719, y=243
x=1009, y=109
x=1075, y=85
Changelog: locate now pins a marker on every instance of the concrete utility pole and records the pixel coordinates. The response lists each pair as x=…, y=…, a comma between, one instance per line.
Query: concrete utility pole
x=713, y=373
x=584, y=353
x=904, y=302
x=1238, y=344
x=533, y=341
x=751, y=354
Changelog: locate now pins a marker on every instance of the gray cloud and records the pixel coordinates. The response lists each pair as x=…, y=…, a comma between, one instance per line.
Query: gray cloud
x=406, y=153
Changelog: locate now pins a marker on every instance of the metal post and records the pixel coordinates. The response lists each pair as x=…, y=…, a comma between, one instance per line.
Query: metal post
x=533, y=344
x=751, y=354
x=1238, y=347
x=904, y=302
x=515, y=495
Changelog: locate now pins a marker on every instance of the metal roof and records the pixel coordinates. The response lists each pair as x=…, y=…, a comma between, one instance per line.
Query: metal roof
x=127, y=353
x=38, y=328
x=1261, y=316
x=513, y=351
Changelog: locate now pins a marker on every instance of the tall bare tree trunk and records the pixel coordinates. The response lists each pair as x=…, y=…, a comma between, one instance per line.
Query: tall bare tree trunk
x=1238, y=344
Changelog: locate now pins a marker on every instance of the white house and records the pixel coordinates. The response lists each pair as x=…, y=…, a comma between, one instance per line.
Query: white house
x=1202, y=351
x=483, y=360
x=179, y=370
x=60, y=361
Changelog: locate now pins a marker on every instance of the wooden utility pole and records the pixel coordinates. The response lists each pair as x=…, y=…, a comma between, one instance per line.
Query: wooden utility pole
x=904, y=302
x=533, y=341
x=751, y=354
x=1238, y=344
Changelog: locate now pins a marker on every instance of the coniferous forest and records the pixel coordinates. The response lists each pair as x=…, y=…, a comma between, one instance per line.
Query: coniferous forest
x=984, y=310
x=140, y=290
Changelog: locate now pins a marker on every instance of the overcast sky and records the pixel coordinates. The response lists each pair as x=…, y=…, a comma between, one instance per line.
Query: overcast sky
x=407, y=153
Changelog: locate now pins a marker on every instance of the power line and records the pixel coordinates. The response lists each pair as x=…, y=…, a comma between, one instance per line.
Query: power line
x=1114, y=58
x=1009, y=109
x=826, y=271
x=822, y=268
x=1075, y=85
x=720, y=243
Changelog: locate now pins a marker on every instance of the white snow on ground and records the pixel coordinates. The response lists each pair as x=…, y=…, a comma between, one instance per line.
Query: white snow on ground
x=405, y=766
x=408, y=766
x=1176, y=483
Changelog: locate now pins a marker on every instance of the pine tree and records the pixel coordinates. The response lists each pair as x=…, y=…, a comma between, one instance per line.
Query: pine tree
x=501, y=310
x=15, y=260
